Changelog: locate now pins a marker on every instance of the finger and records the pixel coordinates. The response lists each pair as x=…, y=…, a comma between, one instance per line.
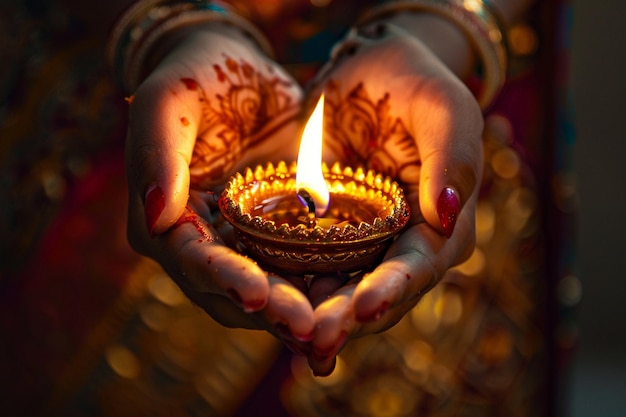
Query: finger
x=289, y=311
x=288, y=314
x=412, y=266
x=164, y=120
x=297, y=281
x=396, y=281
x=323, y=287
x=196, y=258
x=322, y=368
x=334, y=326
x=448, y=128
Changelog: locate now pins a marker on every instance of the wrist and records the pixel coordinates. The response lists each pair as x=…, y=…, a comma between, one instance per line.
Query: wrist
x=200, y=33
x=150, y=29
x=477, y=20
x=446, y=40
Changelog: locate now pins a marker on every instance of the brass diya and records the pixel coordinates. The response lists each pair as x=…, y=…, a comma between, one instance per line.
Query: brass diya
x=366, y=210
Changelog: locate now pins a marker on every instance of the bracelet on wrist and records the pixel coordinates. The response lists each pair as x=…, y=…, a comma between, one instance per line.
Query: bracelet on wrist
x=478, y=20
x=146, y=22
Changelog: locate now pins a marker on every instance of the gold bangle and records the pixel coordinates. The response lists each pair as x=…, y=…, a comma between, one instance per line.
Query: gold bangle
x=480, y=23
x=147, y=21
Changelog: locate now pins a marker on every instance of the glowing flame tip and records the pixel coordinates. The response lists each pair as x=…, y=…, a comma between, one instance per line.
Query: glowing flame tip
x=309, y=176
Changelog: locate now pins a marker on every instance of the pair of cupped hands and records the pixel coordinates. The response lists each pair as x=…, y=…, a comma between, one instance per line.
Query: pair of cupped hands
x=215, y=104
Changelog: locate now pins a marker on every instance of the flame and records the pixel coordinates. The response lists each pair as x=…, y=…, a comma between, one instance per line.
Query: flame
x=309, y=175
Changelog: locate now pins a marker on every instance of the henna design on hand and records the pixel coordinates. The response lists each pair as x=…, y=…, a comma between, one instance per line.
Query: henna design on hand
x=253, y=107
x=362, y=132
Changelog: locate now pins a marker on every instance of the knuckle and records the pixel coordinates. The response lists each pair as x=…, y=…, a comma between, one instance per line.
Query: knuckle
x=139, y=158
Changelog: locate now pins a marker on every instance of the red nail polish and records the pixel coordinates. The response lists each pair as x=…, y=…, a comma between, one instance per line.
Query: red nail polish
x=304, y=337
x=153, y=207
x=286, y=334
x=448, y=209
x=384, y=306
x=248, y=306
x=323, y=355
x=251, y=306
x=296, y=346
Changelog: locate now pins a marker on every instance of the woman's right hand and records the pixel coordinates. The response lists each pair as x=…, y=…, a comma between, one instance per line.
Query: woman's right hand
x=394, y=106
x=214, y=105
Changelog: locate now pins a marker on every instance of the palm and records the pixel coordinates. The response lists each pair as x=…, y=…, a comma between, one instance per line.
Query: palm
x=213, y=106
x=395, y=108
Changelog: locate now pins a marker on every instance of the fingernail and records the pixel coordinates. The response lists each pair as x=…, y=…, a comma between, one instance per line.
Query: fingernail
x=448, y=210
x=376, y=314
x=153, y=207
x=288, y=339
x=285, y=332
x=323, y=355
x=249, y=306
x=304, y=337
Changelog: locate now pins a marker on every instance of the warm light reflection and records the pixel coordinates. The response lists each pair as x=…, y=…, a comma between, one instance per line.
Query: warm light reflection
x=309, y=175
x=473, y=5
x=122, y=361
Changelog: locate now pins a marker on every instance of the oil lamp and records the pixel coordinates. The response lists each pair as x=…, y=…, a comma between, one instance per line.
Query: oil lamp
x=306, y=218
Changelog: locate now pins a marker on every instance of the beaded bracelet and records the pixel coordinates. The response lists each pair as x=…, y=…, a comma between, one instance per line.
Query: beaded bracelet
x=148, y=21
x=480, y=23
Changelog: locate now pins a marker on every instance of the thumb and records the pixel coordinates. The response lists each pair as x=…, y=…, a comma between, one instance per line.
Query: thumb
x=163, y=125
x=450, y=144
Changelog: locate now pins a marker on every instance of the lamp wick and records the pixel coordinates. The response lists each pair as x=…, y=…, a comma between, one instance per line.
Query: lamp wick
x=307, y=200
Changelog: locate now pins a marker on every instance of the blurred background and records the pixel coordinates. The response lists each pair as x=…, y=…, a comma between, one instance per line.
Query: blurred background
x=598, y=379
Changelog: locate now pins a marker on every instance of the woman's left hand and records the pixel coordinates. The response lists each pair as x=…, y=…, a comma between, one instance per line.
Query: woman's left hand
x=393, y=106
x=213, y=105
